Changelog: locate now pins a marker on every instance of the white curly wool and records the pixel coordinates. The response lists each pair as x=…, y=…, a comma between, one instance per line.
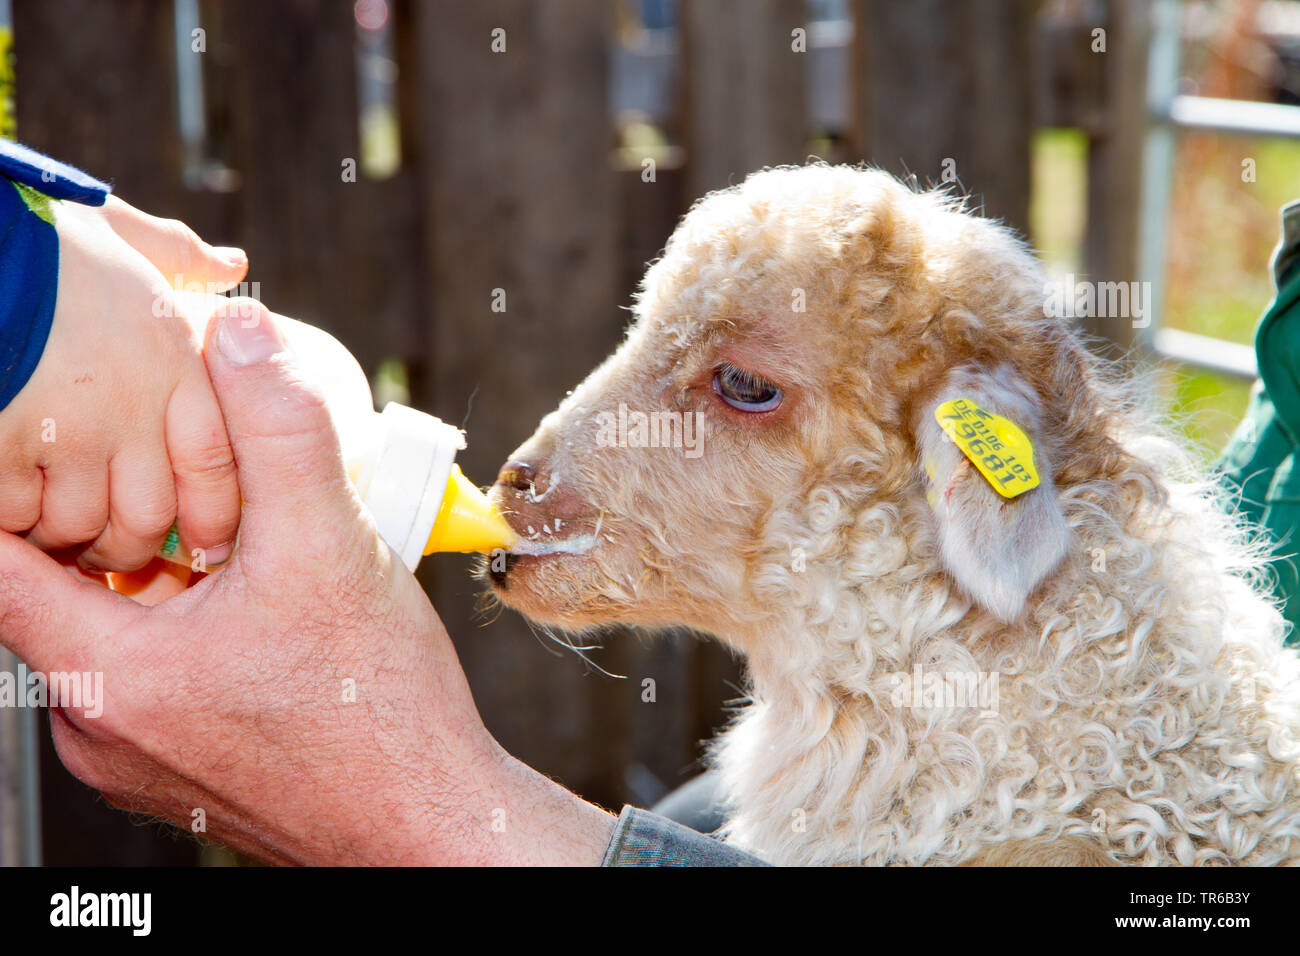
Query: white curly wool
x=1086, y=673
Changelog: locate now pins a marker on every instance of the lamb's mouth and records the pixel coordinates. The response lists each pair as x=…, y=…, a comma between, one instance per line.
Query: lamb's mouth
x=538, y=548
x=536, y=552
x=500, y=571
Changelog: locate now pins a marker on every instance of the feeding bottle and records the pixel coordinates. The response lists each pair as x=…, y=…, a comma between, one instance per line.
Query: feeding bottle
x=402, y=461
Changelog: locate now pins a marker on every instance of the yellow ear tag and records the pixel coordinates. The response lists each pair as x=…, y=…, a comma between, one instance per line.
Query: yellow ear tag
x=995, y=445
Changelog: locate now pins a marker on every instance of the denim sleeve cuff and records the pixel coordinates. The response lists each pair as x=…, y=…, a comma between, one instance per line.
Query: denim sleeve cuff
x=644, y=839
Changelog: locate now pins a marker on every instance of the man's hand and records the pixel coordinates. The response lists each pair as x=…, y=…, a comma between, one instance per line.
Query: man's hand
x=305, y=697
x=118, y=433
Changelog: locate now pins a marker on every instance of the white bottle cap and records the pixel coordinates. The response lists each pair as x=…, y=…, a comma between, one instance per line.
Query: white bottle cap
x=403, y=491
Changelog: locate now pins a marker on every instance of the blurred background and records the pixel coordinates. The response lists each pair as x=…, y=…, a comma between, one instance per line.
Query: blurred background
x=390, y=164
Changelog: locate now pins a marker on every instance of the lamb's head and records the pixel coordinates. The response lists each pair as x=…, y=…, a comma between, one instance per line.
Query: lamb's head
x=790, y=349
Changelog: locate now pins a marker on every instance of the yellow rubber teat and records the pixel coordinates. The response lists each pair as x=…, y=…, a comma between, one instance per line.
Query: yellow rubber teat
x=467, y=522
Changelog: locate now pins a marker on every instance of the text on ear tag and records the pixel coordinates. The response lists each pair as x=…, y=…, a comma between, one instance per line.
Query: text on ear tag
x=995, y=445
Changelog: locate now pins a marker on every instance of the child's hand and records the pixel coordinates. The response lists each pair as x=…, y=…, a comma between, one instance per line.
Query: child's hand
x=118, y=434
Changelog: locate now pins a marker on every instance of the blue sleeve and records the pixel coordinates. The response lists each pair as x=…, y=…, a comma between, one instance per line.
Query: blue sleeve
x=29, y=255
x=645, y=839
x=57, y=180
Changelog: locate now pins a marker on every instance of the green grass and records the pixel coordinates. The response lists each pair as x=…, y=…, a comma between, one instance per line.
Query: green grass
x=1218, y=282
x=1058, y=201
x=1207, y=408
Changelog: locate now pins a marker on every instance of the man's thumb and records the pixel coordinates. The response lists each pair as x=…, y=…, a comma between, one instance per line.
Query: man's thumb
x=285, y=446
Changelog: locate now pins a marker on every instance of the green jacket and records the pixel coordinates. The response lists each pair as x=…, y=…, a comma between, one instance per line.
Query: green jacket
x=1261, y=460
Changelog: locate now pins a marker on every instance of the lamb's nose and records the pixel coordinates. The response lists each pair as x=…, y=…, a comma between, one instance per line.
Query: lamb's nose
x=518, y=475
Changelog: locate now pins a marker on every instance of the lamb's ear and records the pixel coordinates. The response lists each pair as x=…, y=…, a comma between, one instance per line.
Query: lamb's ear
x=998, y=545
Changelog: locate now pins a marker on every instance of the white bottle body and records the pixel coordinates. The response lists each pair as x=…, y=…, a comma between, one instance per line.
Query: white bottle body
x=400, y=460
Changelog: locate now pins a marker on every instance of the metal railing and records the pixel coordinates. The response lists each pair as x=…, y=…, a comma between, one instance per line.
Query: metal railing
x=1170, y=113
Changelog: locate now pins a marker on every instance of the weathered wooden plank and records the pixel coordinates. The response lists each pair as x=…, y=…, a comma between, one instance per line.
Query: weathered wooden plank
x=1112, y=241
x=1068, y=90
x=535, y=209
x=96, y=89
x=518, y=195
x=945, y=85
x=745, y=89
x=311, y=221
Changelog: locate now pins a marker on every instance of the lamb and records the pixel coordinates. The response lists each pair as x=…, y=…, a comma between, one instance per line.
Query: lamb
x=1087, y=672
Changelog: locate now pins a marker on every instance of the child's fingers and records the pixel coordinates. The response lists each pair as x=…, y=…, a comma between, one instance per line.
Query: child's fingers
x=142, y=508
x=207, y=491
x=74, y=506
x=175, y=249
x=20, y=500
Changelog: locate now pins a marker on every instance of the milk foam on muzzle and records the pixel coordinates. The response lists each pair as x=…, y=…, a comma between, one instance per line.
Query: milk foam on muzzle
x=578, y=544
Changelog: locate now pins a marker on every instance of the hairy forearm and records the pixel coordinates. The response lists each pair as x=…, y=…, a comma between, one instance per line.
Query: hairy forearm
x=497, y=812
x=543, y=824
x=473, y=804
x=501, y=812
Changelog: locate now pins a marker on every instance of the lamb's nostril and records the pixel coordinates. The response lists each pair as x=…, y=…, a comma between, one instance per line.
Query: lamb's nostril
x=518, y=475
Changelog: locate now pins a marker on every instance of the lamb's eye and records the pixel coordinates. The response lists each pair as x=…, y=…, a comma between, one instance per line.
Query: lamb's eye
x=745, y=391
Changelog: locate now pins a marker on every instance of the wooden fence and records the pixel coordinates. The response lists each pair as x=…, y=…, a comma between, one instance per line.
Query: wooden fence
x=508, y=180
